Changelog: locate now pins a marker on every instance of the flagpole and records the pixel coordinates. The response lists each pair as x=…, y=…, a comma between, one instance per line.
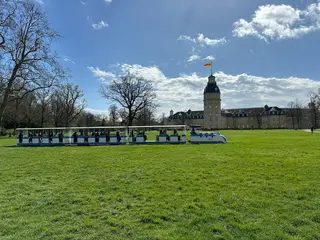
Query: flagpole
x=211, y=67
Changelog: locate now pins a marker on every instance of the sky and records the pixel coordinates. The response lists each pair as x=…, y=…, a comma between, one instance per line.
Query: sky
x=262, y=52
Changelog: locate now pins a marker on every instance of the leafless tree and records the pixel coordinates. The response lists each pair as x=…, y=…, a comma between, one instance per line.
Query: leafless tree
x=7, y=12
x=298, y=113
x=29, y=63
x=314, y=108
x=257, y=114
x=113, y=114
x=123, y=114
x=145, y=117
x=44, y=100
x=291, y=113
x=132, y=93
x=30, y=111
x=67, y=104
x=163, y=118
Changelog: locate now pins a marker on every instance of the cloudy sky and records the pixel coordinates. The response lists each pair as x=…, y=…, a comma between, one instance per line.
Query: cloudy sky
x=263, y=52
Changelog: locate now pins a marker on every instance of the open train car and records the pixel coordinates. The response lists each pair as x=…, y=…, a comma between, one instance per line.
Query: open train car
x=165, y=134
x=79, y=136
x=206, y=137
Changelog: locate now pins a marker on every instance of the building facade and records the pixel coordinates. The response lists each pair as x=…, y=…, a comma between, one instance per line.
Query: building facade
x=214, y=117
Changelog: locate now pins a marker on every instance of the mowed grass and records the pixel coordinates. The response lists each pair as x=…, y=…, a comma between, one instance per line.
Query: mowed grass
x=261, y=185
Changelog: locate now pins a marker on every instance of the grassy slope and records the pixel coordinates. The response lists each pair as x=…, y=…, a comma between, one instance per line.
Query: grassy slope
x=261, y=185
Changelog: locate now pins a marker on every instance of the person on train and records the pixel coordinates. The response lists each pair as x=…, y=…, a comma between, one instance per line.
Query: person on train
x=108, y=136
x=50, y=136
x=118, y=136
x=86, y=137
x=60, y=135
x=144, y=136
x=20, y=137
x=30, y=137
x=75, y=137
x=40, y=137
x=97, y=137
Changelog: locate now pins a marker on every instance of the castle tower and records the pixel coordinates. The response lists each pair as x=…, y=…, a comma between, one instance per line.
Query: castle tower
x=212, y=105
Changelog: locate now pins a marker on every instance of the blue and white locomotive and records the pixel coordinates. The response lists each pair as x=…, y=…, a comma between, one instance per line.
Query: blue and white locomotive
x=206, y=137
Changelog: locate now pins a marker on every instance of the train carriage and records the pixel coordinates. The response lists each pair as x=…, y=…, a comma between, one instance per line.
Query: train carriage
x=72, y=136
x=163, y=134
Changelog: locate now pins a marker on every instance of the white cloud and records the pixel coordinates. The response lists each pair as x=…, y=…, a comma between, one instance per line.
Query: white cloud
x=209, y=58
x=108, y=1
x=39, y=1
x=279, y=22
x=194, y=58
x=99, y=25
x=97, y=111
x=82, y=2
x=102, y=75
x=202, y=40
x=67, y=59
x=238, y=91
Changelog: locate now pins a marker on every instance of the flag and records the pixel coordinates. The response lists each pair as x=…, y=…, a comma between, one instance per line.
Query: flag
x=207, y=65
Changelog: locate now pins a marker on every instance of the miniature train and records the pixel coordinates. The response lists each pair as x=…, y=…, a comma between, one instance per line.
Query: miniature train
x=81, y=136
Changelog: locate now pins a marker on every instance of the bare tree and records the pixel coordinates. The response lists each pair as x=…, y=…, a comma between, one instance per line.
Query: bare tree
x=123, y=114
x=113, y=114
x=163, y=118
x=44, y=100
x=67, y=104
x=8, y=9
x=30, y=110
x=291, y=112
x=130, y=92
x=30, y=64
x=145, y=117
x=298, y=113
x=314, y=108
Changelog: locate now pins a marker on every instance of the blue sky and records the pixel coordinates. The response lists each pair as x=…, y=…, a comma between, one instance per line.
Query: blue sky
x=264, y=52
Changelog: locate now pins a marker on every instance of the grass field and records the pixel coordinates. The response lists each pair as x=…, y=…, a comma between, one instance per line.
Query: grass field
x=261, y=185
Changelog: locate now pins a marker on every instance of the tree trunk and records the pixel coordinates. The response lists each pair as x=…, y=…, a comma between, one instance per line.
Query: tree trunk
x=6, y=95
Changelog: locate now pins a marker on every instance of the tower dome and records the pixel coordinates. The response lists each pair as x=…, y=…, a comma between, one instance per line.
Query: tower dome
x=212, y=104
x=212, y=86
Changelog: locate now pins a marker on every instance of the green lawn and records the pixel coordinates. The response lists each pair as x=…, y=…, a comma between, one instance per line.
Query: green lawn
x=261, y=185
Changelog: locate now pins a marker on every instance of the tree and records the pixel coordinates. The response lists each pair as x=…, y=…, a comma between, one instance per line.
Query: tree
x=314, y=108
x=291, y=112
x=44, y=99
x=163, y=119
x=6, y=23
x=298, y=113
x=130, y=92
x=113, y=114
x=67, y=103
x=29, y=63
x=145, y=117
x=123, y=114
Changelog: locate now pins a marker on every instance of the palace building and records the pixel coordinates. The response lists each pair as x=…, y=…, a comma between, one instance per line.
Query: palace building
x=213, y=117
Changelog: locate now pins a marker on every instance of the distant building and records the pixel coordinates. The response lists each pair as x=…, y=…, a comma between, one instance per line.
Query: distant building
x=213, y=117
